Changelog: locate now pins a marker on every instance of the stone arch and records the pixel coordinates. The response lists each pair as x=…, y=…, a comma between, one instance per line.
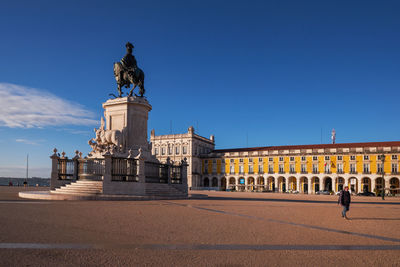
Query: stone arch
x=281, y=184
x=303, y=185
x=206, y=182
x=353, y=184
x=271, y=183
x=242, y=184
x=394, y=186
x=315, y=184
x=260, y=183
x=223, y=183
x=340, y=182
x=251, y=183
x=292, y=183
x=232, y=183
x=214, y=182
x=379, y=185
x=327, y=185
x=366, y=184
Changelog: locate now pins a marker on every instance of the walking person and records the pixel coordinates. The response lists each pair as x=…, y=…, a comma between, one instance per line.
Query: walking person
x=344, y=200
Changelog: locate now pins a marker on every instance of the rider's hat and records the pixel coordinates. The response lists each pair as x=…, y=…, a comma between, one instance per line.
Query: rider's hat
x=128, y=44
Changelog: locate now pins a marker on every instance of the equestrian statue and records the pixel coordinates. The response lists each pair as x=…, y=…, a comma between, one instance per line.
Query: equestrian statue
x=127, y=72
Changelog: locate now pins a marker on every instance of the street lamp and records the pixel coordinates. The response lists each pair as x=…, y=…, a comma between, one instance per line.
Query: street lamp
x=383, y=176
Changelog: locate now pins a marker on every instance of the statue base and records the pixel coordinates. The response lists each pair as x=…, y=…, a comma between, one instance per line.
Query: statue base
x=124, y=133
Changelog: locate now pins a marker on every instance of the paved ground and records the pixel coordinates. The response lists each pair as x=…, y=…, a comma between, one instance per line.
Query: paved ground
x=227, y=229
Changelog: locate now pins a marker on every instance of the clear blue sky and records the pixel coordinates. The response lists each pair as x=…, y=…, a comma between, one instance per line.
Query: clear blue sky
x=253, y=73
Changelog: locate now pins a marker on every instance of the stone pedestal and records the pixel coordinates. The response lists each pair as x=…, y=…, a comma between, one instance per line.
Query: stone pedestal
x=128, y=115
x=124, y=132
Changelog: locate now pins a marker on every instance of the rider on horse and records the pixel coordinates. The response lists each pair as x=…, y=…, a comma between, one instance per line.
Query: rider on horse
x=128, y=61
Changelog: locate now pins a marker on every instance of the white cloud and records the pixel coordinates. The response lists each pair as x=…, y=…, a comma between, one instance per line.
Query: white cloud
x=28, y=142
x=23, y=107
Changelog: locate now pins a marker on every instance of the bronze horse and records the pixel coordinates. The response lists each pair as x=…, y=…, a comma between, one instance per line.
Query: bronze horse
x=126, y=77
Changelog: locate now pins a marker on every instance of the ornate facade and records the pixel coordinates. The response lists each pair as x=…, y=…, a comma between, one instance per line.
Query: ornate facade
x=305, y=168
x=176, y=147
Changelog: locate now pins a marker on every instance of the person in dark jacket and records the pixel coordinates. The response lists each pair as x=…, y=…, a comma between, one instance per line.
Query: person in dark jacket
x=344, y=200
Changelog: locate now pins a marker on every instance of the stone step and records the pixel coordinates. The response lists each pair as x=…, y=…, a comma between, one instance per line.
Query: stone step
x=84, y=188
x=78, y=190
x=74, y=193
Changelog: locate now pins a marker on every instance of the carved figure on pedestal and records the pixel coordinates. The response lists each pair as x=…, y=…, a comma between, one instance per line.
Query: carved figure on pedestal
x=108, y=140
x=127, y=72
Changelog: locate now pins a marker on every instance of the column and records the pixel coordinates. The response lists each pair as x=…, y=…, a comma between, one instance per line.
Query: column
x=359, y=189
x=334, y=189
x=298, y=184
x=276, y=184
x=309, y=185
x=373, y=185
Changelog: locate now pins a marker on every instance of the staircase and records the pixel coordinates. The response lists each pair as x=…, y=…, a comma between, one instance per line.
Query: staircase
x=163, y=190
x=82, y=188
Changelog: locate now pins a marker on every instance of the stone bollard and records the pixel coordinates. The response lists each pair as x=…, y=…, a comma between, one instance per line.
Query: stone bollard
x=141, y=168
x=168, y=163
x=54, y=170
x=107, y=173
x=76, y=165
x=184, y=166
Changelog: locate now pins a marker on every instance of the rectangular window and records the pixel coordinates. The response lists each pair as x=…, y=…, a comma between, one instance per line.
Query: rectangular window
x=271, y=159
x=163, y=151
x=291, y=158
x=214, y=168
x=314, y=158
x=366, y=168
x=270, y=169
x=327, y=167
x=251, y=169
x=232, y=160
x=260, y=169
x=156, y=151
x=291, y=168
x=280, y=158
x=206, y=161
x=250, y=160
x=327, y=158
x=340, y=168
x=394, y=156
x=232, y=169
x=315, y=168
x=366, y=157
x=259, y=159
x=281, y=168
x=241, y=169
x=352, y=157
x=303, y=158
x=222, y=167
x=184, y=149
x=169, y=150
x=379, y=168
x=394, y=168
x=352, y=168
x=339, y=157
x=240, y=160
x=303, y=168
x=177, y=150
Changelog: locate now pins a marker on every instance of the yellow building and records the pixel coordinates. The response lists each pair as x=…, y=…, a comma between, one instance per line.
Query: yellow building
x=304, y=168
